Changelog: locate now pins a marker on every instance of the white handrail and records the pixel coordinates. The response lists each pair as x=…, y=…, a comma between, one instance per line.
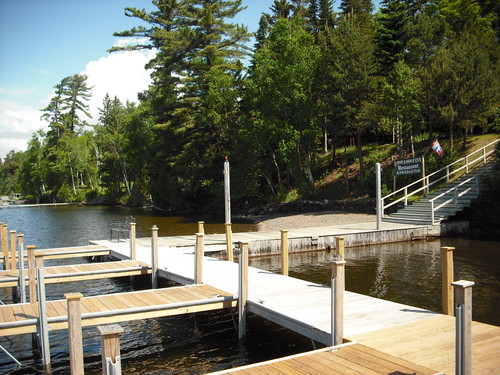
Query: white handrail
x=425, y=182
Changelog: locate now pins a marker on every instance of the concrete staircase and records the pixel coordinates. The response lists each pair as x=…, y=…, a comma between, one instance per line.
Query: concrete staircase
x=444, y=202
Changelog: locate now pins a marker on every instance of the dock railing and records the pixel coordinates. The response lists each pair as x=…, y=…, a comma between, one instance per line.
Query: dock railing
x=423, y=185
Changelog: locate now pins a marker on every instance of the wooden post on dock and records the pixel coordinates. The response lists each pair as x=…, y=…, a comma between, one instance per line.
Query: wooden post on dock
x=5, y=246
x=242, y=289
x=110, y=347
x=463, y=335
x=201, y=228
x=339, y=244
x=337, y=301
x=447, y=279
x=31, y=272
x=43, y=327
x=75, y=333
x=154, y=256
x=21, y=287
x=229, y=242
x=13, y=251
x=199, y=250
x=132, y=242
x=284, y=252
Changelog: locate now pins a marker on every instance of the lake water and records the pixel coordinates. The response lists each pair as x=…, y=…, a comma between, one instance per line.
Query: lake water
x=408, y=273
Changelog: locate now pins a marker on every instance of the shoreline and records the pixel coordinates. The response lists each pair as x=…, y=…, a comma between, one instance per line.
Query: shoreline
x=294, y=220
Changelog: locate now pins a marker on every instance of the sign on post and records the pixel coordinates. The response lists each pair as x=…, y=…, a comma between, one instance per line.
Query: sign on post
x=408, y=166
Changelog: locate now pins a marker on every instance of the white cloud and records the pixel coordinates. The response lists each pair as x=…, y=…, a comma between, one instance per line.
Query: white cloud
x=17, y=123
x=119, y=74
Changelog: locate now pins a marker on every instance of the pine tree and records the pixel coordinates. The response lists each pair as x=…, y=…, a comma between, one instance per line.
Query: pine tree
x=391, y=34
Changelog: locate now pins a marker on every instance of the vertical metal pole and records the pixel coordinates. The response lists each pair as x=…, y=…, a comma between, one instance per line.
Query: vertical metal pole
x=43, y=327
x=337, y=301
x=378, y=194
x=75, y=333
x=198, y=258
x=21, y=283
x=154, y=256
x=463, y=336
x=132, y=241
x=284, y=252
x=227, y=210
x=242, y=289
x=227, y=191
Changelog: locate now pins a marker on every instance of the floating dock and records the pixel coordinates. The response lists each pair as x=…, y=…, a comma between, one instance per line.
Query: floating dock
x=113, y=308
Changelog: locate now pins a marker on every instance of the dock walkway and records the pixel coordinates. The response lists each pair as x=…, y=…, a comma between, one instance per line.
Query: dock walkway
x=299, y=305
x=80, y=272
x=119, y=307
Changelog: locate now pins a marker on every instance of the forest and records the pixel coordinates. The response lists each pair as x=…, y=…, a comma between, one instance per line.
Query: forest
x=284, y=109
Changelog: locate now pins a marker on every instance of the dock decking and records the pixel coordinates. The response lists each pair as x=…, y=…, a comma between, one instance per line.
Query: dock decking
x=113, y=308
x=80, y=272
x=431, y=343
x=350, y=359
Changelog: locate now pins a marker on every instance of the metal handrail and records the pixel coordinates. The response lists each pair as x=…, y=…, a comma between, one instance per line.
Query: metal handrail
x=426, y=182
x=456, y=194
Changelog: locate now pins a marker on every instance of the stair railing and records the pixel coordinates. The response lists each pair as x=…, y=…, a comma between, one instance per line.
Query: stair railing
x=471, y=162
x=456, y=194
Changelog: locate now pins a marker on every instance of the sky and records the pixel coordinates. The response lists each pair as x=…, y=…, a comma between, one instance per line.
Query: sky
x=41, y=42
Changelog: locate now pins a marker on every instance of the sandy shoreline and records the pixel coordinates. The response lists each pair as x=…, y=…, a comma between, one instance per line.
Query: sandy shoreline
x=277, y=221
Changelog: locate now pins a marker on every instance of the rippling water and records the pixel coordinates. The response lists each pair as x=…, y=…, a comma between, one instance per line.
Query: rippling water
x=198, y=343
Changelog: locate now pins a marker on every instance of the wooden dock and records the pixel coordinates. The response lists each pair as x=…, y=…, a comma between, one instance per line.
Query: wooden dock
x=349, y=359
x=304, y=307
x=431, y=343
x=80, y=272
x=69, y=252
x=23, y=318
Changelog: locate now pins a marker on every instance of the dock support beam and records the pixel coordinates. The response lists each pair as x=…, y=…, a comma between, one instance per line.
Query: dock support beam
x=5, y=245
x=378, y=183
x=154, y=257
x=21, y=289
x=132, y=241
x=75, y=333
x=339, y=244
x=242, y=289
x=110, y=343
x=199, y=250
x=229, y=242
x=13, y=252
x=284, y=252
x=43, y=327
x=337, y=302
x=463, y=335
x=447, y=279
x=201, y=227
x=31, y=272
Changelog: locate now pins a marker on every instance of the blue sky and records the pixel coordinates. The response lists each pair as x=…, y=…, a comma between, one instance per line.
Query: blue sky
x=41, y=42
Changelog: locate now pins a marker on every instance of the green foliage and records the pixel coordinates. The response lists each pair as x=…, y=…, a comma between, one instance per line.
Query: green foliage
x=316, y=80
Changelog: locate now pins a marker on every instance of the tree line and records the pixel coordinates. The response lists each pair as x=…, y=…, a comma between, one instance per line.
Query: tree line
x=314, y=82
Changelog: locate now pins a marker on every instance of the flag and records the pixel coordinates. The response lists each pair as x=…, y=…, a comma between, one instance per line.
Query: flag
x=437, y=148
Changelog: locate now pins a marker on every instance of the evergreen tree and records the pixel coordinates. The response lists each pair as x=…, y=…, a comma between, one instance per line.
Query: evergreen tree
x=281, y=9
x=194, y=39
x=391, y=33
